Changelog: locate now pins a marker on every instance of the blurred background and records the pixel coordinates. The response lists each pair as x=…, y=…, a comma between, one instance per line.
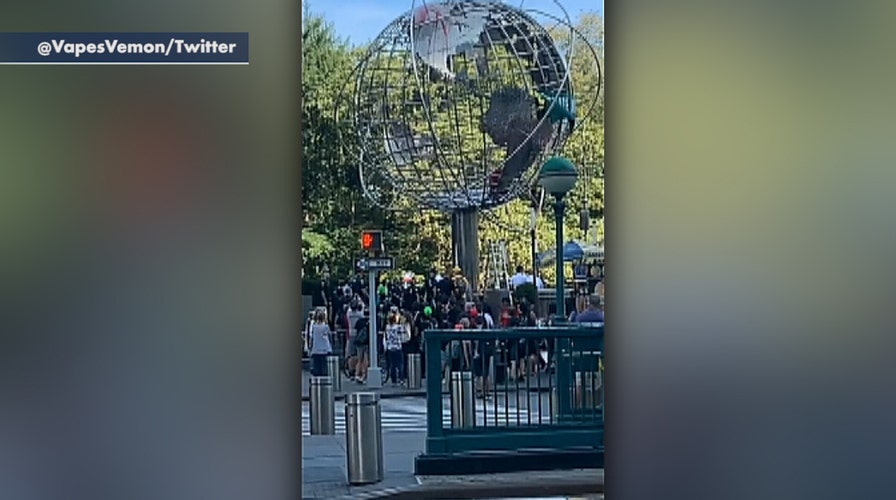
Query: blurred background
x=149, y=232
x=751, y=234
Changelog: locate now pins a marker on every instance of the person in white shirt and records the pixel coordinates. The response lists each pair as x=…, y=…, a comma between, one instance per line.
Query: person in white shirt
x=520, y=278
x=488, y=317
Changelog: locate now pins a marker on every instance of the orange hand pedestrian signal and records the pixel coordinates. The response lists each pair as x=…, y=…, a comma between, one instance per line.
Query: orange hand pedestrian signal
x=372, y=240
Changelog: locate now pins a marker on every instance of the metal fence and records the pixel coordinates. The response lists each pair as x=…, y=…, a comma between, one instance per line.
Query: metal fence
x=533, y=388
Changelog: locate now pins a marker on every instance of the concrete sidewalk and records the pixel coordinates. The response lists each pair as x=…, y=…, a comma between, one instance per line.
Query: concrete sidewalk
x=582, y=483
x=324, y=475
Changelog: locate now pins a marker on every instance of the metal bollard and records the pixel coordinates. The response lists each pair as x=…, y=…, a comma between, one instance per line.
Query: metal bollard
x=557, y=412
x=415, y=372
x=363, y=438
x=463, y=409
x=587, y=385
x=322, y=406
x=334, y=372
x=555, y=409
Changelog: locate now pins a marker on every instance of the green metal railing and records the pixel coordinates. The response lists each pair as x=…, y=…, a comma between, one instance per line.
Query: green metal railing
x=558, y=406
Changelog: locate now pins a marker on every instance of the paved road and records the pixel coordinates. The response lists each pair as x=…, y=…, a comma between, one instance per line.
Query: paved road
x=409, y=414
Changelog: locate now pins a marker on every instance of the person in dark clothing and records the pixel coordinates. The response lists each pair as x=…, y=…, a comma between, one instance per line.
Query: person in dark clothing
x=484, y=351
x=395, y=294
x=429, y=287
x=455, y=311
x=357, y=285
x=461, y=350
x=528, y=349
x=445, y=322
x=319, y=298
x=593, y=278
x=412, y=346
x=424, y=321
x=592, y=314
x=339, y=303
x=408, y=296
x=445, y=288
x=362, y=344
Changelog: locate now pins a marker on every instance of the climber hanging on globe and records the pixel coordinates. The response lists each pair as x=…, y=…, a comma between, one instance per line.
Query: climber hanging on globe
x=513, y=116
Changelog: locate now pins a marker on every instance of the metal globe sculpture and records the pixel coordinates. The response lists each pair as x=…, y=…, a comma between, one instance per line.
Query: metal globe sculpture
x=455, y=105
x=457, y=101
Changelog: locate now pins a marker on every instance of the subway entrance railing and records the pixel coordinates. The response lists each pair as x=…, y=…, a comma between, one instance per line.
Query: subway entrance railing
x=532, y=395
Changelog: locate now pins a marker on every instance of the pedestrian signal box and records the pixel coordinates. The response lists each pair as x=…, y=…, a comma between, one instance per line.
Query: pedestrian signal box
x=372, y=241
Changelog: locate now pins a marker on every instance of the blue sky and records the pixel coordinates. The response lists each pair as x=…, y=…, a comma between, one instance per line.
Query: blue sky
x=361, y=20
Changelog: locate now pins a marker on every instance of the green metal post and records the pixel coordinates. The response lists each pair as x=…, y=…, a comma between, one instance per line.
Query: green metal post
x=434, y=431
x=559, y=208
x=563, y=374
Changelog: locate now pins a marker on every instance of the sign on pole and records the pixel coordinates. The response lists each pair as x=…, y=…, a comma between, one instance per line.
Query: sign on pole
x=381, y=263
x=376, y=264
x=372, y=244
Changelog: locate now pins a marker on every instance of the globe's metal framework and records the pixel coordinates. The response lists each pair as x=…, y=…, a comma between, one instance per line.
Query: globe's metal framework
x=455, y=102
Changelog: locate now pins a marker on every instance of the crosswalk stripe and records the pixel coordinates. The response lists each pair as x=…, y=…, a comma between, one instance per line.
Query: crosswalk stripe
x=413, y=418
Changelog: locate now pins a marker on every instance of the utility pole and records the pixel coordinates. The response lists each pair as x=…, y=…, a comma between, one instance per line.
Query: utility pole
x=372, y=243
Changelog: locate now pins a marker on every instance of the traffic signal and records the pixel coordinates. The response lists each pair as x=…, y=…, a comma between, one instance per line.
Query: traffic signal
x=372, y=241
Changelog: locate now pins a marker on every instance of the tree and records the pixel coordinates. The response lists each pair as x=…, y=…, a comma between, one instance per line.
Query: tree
x=334, y=207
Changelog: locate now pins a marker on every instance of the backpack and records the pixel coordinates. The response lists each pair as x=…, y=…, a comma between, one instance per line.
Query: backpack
x=362, y=336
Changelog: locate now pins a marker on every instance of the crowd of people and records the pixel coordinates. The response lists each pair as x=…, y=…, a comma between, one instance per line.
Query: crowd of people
x=406, y=309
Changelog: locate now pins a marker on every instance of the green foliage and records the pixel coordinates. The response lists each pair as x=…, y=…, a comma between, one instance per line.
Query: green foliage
x=316, y=246
x=333, y=204
x=335, y=209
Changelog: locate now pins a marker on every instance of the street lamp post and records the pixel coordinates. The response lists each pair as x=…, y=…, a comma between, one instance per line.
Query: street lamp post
x=558, y=176
x=533, y=223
